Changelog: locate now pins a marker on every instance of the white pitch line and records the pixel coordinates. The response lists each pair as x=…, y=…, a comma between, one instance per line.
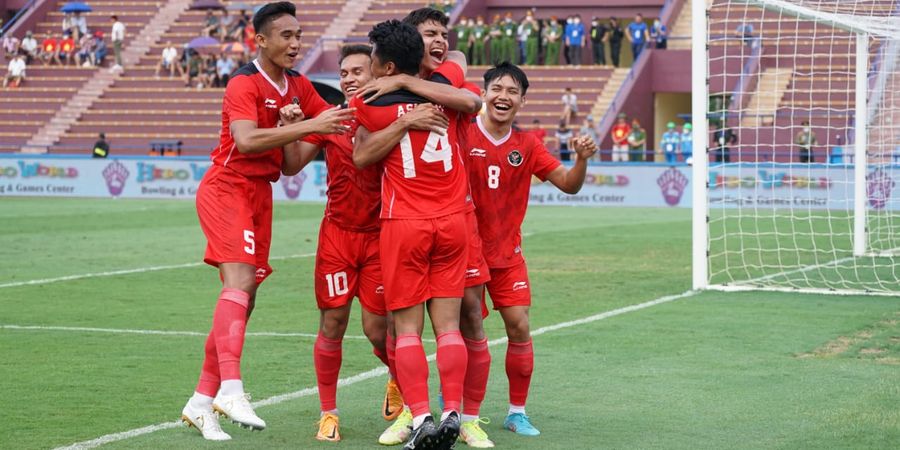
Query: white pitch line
x=93, y=443
x=154, y=332
x=128, y=271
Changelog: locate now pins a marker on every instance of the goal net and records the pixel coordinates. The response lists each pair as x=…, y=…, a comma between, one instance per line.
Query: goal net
x=802, y=100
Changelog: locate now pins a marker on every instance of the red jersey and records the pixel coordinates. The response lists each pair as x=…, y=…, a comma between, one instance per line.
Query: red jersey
x=49, y=45
x=620, y=132
x=251, y=95
x=500, y=174
x=354, y=195
x=67, y=45
x=424, y=175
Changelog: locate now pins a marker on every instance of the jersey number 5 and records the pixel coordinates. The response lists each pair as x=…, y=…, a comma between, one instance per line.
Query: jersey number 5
x=437, y=149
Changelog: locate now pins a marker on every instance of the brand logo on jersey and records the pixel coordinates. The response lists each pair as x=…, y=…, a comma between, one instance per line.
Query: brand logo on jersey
x=379, y=290
x=514, y=158
x=293, y=185
x=478, y=152
x=260, y=275
x=271, y=103
x=519, y=285
x=672, y=183
x=878, y=188
x=472, y=273
x=115, y=175
x=517, y=250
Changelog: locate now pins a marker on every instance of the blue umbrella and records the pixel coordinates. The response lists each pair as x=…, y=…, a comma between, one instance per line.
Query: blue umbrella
x=204, y=44
x=72, y=7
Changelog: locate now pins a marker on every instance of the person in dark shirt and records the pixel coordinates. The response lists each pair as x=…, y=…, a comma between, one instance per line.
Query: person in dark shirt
x=598, y=39
x=101, y=147
x=615, y=36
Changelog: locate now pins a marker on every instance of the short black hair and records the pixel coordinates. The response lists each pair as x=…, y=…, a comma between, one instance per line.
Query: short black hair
x=507, y=69
x=271, y=11
x=399, y=43
x=355, y=49
x=423, y=15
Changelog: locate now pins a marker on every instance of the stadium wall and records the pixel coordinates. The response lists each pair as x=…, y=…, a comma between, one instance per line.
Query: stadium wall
x=769, y=185
x=29, y=20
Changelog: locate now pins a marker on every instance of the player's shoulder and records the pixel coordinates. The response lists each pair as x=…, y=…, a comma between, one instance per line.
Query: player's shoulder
x=248, y=70
x=398, y=97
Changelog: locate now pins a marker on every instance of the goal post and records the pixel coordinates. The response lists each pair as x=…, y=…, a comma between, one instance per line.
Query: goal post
x=797, y=145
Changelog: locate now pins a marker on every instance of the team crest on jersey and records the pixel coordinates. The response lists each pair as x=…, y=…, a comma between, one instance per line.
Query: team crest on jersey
x=515, y=158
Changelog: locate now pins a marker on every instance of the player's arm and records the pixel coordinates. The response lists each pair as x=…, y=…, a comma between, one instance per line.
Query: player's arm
x=457, y=99
x=250, y=139
x=369, y=148
x=571, y=180
x=297, y=155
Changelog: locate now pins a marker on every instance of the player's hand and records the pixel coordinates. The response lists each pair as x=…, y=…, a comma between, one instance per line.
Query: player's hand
x=291, y=113
x=380, y=86
x=426, y=117
x=584, y=147
x=331, y=121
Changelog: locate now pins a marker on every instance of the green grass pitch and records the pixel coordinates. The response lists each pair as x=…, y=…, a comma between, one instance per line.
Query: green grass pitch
x=712, y=370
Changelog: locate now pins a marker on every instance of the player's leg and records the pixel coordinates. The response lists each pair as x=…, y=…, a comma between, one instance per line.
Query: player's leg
x=400, y=430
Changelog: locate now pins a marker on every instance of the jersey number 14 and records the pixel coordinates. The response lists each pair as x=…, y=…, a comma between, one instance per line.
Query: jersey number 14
x=437, y=149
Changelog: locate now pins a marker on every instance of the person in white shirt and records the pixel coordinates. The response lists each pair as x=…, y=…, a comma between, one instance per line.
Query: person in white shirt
x=78, y=26
x=10, y=46
x=570, y=106
x=169, y=60
x=29, y=45
x=118, y=38
x=15, y=72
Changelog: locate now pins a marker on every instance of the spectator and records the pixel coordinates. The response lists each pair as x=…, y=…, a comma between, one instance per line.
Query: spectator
x=530, y=36
x=620, y=132
x=660, y=34
x=669, y=143
x=722, y=138
x=564, y=135
x=210, y=24
x=237, y=31
x=224, y=67
x=509, y=40
x=194, y=67
x=575, y=40
x=67, y=23
x=538, y=130
x=805, y=139
x=50, y=50
x=100, y=49
x=496, y=36
x=570, y=106
x=15, y=72
x=101, y=147
x=79, y=26
x=10, y=46
x=250, y=38
x=208, y=73
x=687, y=143
x=225, y=21
x=85, y=55
x=552, y=34
x=67, y=50
x=637, y=142
x=745, y=32
x=598, y=37
x=118, y=38
x=566, y=55
x=615, y=36
x=638, y=35
x=463, y=36
x=589, y=128
x=478, y=41
x=30, y=47
x=447, y=7
x=167, y=60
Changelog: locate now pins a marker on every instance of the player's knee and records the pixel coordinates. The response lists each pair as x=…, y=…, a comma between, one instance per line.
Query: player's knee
x=334, y=325
x=518, y=330
x=376, y=336
x=471, y=324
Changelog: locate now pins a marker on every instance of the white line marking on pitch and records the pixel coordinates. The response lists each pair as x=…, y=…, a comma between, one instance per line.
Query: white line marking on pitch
x=93, y=443
x=129, y=271
x=154, y=332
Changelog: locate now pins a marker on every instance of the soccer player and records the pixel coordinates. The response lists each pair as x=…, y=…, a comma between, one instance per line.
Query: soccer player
x=423, y=235
x=501, y=161
x=234, y=204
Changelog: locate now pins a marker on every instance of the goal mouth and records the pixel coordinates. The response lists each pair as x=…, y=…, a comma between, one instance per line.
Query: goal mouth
x=802, y=101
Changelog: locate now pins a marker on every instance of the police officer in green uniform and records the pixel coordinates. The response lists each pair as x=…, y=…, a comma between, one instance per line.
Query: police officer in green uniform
x=530, y=31
x=479, y=36
x=496, y=36
x=463, y=35
x=552, y=35
x=510, y=52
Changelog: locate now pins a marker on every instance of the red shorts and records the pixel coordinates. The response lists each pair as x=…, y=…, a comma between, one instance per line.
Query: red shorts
x=236, y=217
x=347, y=266
x=423, y=259
x=509, y=286
x=477, y=271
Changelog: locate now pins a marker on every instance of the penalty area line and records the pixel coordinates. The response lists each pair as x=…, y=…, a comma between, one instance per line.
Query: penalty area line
x=379, y=371
x=128, y=272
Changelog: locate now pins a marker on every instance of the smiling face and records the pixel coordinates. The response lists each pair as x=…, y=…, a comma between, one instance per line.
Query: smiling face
x=503, y=98
x=436, y=44
x=355, y=73
x=280, y=41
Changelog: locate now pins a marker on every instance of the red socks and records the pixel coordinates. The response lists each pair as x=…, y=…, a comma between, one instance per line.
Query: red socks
x=477, y=371
x=390, y=345
x=327, y=355
x=451, y=363
x=519, y=365
x=209, y=373
x=229, y=324
x=412, y=372
x=382, y=355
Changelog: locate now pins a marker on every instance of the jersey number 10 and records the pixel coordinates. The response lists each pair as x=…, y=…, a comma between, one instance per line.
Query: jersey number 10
x=437, y=149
